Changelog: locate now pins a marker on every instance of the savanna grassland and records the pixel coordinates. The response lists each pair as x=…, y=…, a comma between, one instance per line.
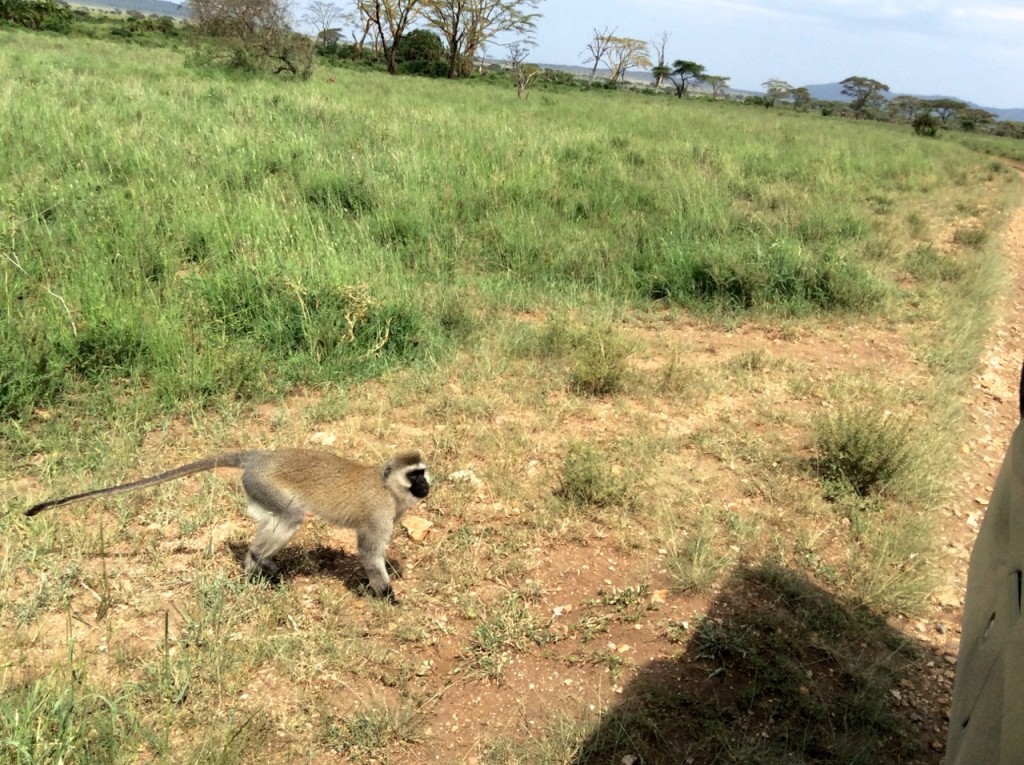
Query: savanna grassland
x=691, y=377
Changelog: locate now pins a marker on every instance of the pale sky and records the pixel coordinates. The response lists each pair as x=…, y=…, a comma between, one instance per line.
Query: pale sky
x=969, y=50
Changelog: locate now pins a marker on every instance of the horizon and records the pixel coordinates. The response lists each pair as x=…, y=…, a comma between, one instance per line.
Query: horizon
x=932, y=48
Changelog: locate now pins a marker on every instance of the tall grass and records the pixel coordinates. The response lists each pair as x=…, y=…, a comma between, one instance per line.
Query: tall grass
x=189, y=237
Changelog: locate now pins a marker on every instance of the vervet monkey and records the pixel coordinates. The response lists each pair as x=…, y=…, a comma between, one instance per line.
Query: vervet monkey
x=283, y=486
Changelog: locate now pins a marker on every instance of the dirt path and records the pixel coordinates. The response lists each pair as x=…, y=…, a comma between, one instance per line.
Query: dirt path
x=993, y=414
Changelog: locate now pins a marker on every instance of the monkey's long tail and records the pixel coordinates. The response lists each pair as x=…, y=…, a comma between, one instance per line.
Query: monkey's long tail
x=233, y=460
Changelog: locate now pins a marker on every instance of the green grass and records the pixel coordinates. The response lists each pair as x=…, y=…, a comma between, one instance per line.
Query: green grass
x=190, y=238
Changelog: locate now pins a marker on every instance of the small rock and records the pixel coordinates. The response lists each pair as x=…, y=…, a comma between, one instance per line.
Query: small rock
x=466, y=476
x=323, y=438
x=416, y=527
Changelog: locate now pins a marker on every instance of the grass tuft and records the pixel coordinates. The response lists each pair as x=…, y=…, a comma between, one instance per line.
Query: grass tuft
x=598, y=364
x=588, y=481
x=863, y=449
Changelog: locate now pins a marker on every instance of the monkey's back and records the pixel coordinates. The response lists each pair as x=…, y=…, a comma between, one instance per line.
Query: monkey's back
x=337, y=489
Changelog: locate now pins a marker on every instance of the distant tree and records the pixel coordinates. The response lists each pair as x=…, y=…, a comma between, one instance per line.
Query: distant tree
x=44, y=15
x=683, y=73
x=467, y=25
x=523, y=74
x=945, y=108
x=254, y=34
x=864, y=93
x=362, y=29
x=906, y=107
x=970, y=119
x=774, y=90
x=421, y=52
x=1008, y=129
x=626, y=53
x=717, y=83
x=597, y=49
x=389, y=19
x=660, y=73
x=661, y=70
x=801, y=98
x=324, y=17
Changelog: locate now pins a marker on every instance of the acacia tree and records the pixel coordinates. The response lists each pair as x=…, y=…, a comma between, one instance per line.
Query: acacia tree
x=945, y=108
x=683, y=73
x=906, y=107
x=864, y=93
x=970, y=118
x=718, y=84
x=254, y=34
x=389, y=19
x=774, y=90
x=801, y=98
x=626, y=53
x=467, y=25
x=324, y=17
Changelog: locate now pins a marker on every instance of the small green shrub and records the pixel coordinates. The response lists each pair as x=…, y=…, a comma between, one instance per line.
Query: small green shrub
x=599, y=364
x=32, y=371
x=697, y=565
x=754, y=360
x=366, y=732
x=863, y=449
x=782, y=275
x=927, y=264
x=926, y=125
x=587, y=480
x=341, y=195
x=109, y=346
x=970, y=236
x=509, y=627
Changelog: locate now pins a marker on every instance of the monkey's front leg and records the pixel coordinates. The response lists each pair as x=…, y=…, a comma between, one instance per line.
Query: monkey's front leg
x=373, y=547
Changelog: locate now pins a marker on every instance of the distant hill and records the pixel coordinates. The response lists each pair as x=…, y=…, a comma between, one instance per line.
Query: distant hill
x=148, y=7
x=833, y=91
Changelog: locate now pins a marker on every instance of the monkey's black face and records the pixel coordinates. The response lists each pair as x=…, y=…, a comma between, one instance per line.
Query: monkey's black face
x=419, y=486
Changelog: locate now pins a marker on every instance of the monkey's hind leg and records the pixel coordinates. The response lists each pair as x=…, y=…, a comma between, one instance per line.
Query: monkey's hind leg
x=273, y=531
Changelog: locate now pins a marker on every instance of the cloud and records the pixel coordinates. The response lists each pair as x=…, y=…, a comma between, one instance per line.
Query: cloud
x=1000, y=14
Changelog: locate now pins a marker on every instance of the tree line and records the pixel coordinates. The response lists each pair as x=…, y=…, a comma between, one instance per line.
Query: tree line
x=380, y=28
x=448, y=38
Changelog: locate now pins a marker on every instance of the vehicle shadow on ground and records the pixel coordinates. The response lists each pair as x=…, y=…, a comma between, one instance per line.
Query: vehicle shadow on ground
x=780, y=671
